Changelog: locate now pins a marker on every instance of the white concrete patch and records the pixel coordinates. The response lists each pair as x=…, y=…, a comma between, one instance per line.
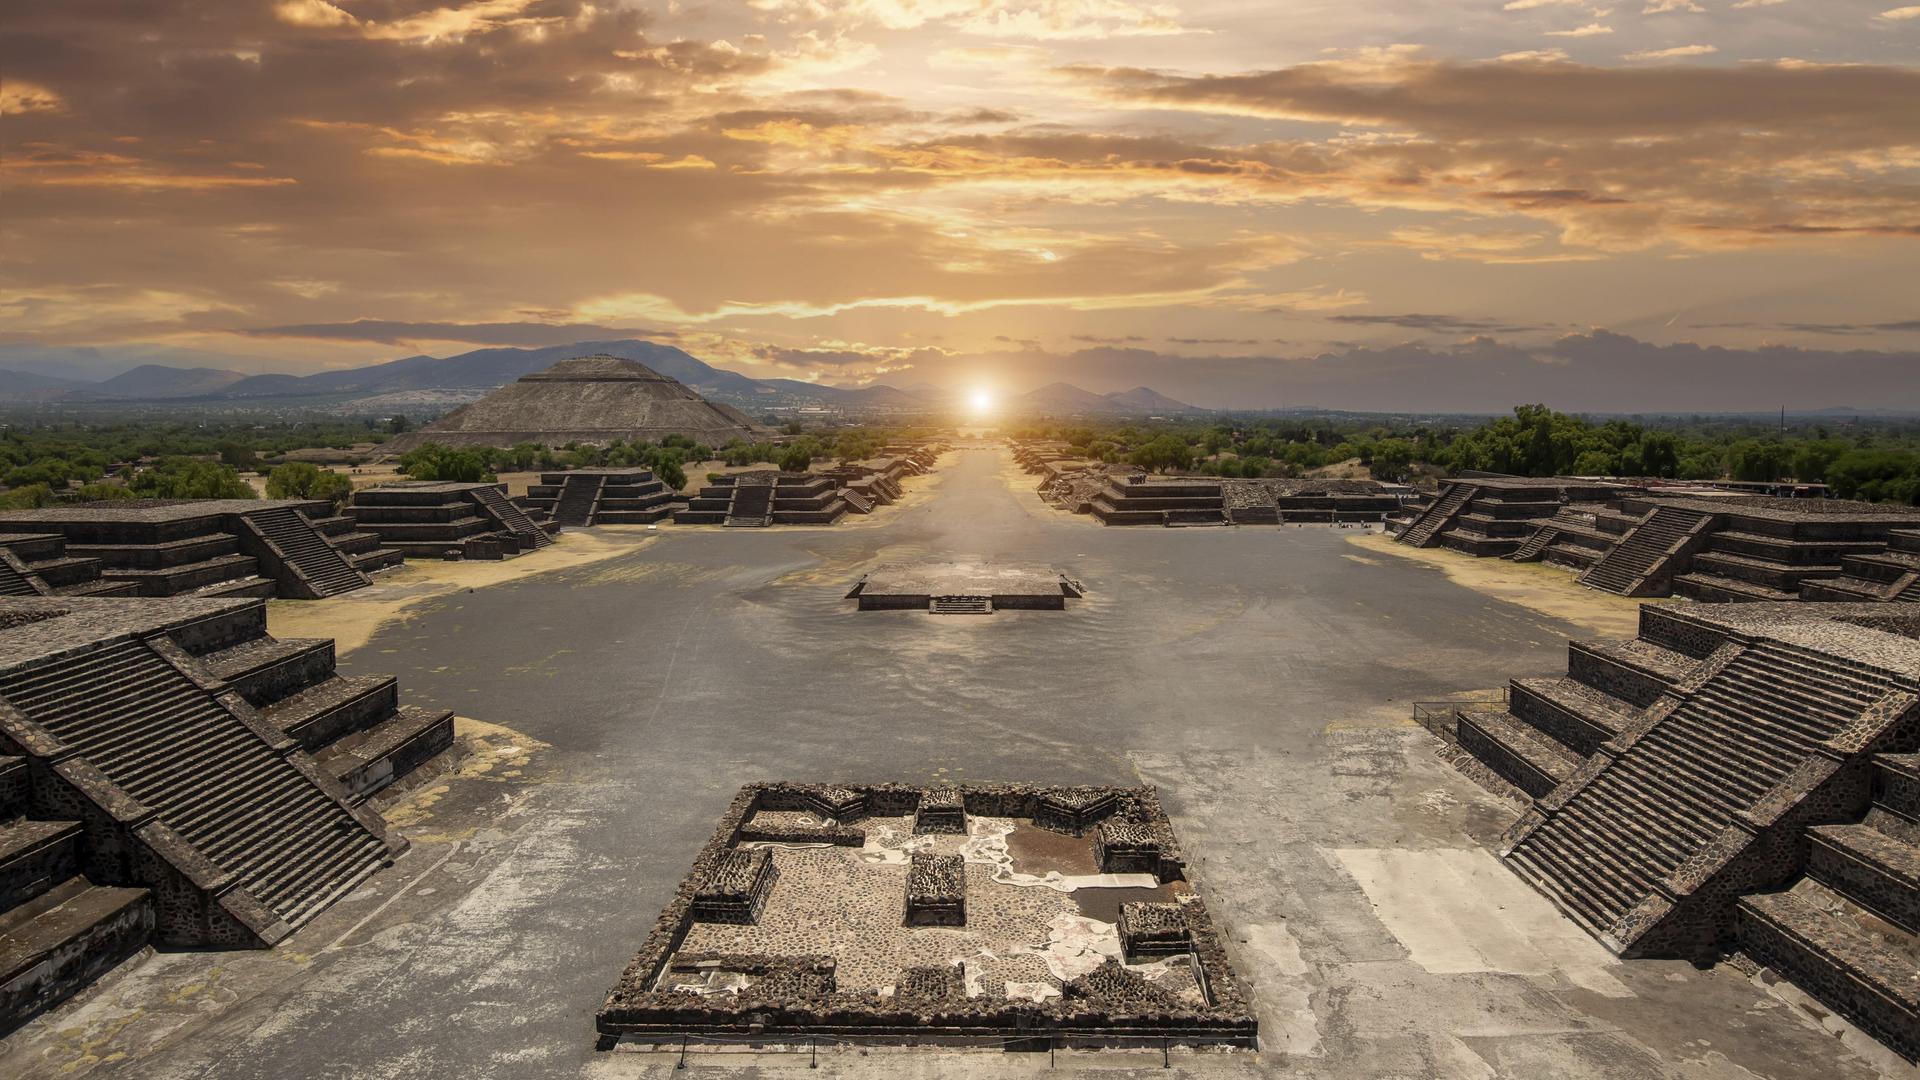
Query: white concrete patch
x=1287, y=1022
x=1458, y=910
x=987, y=843
x=1076, y=945
x=1037, y=992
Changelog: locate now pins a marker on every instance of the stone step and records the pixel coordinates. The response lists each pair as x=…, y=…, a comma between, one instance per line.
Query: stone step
x=1896, y=784
x=34, y=856
x=65, y=570
x=266, y=669
x=186, y=577
x=1877, y=871
x=1784, y=577
x=353, y=543
x=62, y=940
x=1570, y=711
x=378, y=559
x=250, y=586
x=1626, y=670
x=15, y=786
x=1714, y=589
x=1834, y=962
x=99, y=587
x=167, y=553
x=333, y=708
x=1524, y=755
x=371, y=759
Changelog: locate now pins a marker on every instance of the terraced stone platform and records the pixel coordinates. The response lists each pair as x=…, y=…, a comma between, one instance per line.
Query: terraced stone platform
x=964, y=588
x=1735, y=779
x=856, y=925
x=440, y=520
x=584, y=497
x=765, y=497
x=1757, y=550
x=291, y=549
x=1497, y=515
x=169, y=772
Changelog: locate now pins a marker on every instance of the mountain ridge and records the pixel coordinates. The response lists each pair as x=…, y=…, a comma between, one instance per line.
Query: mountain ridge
x=486, y=369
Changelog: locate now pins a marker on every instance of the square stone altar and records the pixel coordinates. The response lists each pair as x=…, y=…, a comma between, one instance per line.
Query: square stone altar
x=964, y=588
x=1060, y=914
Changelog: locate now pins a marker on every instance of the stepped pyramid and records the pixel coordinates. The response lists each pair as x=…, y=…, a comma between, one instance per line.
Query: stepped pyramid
x=170, y=772
x=590, y=399
x=1737, y=778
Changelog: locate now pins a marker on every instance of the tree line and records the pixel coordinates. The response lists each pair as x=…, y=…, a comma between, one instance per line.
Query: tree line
x=1877, y=461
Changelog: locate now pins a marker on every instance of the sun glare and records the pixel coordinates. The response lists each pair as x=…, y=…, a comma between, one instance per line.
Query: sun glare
x=981, y=401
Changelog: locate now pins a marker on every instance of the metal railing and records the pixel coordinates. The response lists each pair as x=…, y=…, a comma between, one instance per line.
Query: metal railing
x=1437, y=716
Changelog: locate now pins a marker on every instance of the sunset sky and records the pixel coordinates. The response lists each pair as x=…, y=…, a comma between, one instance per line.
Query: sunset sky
x=1362, y=203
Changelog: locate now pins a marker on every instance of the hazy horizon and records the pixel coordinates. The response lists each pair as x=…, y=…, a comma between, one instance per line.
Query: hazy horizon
x=1685, y=205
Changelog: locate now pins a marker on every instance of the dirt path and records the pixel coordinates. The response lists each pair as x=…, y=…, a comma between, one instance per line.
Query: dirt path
x=1538, y=587
x=353, y=618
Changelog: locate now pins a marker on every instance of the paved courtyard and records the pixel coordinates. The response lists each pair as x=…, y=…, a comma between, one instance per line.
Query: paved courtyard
x=1262, y=677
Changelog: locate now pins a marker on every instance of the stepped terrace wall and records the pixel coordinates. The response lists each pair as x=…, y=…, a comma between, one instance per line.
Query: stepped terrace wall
x=604, y=497
x=38, y=564
x=835, y=947
x=206, y=547
x=444, y=520
x=1743, y=549
x=766, y=497
x=1492, y=516
x=1140, y=500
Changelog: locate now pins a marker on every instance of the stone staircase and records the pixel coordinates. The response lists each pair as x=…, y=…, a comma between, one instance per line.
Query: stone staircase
x=1533, y=547
x=363, y=549
x=511, y=517
x=1548, y=729
x=15, y=582
x=1671, y=792
x=58, y=929
x=1847, y=931
x=578, y=498
x=215, y=780
x=752, y=505
x=1644, y=557
x=1426, y=528
x=960, y=605
x=39, y=565
x=318, y=568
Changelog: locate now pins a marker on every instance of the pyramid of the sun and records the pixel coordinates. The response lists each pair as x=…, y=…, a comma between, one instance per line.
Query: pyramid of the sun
x=589, y=399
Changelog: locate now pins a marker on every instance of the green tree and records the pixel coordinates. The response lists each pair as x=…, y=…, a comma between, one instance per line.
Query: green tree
x=796, y=459
x=190, y=478
x=1392, y=460
x=237, y=455
x=299, y=480
x=432, y=461
x=1877, y=476
x=1162, y=453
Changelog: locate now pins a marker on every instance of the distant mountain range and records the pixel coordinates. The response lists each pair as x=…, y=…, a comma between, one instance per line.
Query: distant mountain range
x=440, y=381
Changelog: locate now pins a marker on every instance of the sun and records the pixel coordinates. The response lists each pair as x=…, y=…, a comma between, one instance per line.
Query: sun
x=981, y=401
